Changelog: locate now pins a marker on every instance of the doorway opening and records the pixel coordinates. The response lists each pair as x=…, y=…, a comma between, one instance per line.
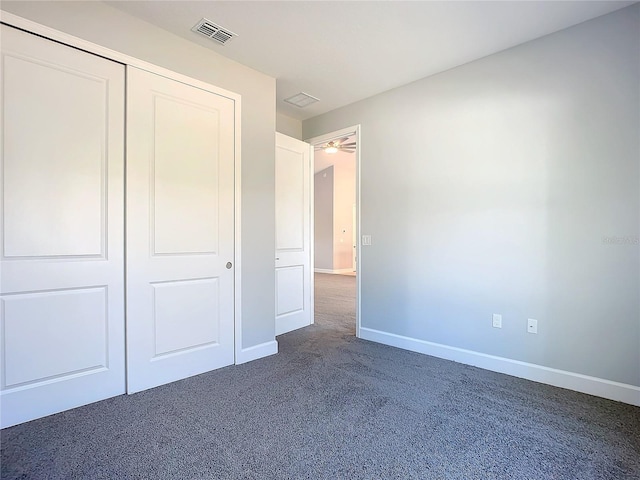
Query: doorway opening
x=336, y=229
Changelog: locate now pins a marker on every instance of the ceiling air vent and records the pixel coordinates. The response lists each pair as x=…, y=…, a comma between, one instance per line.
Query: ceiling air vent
x=301, y=100
x=214, y=32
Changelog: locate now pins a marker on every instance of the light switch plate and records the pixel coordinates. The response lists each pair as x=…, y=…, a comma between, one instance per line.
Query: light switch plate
x=366, y=239
x=532, y=325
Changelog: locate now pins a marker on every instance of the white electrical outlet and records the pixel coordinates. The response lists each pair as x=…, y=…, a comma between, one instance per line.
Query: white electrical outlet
x=366, y=239
x=532, y=325
x=497, y=320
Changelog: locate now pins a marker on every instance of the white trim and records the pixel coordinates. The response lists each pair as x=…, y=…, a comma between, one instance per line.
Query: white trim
x=600, y=387
x=358, y=232
x=354, y=130
x=312, y=235
x=341, y=271
x=238, y=233
x=257, y=351
x=70, y=40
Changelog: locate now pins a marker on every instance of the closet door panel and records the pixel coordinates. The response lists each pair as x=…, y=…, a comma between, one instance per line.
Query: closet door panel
x=62, y=239
x=180, y=230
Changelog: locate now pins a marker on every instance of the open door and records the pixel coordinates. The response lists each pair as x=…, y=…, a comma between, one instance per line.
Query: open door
x=294, y=270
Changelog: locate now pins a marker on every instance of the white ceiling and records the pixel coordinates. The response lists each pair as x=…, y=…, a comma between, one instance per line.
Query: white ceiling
x=344, y=51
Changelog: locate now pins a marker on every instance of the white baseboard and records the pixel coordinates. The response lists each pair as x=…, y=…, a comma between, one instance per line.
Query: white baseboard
x=340, y=271
x=257, y=351
x=600, y=387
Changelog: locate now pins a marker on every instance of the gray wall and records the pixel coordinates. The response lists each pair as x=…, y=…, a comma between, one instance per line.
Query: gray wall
x=323, y=219
x=490, y=188
x=109, y=27
x=288, y=126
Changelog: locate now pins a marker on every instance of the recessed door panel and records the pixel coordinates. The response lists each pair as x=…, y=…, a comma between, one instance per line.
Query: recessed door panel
x=52, y=334
x=54, y=166
x=186, y=315
x=291, y=189
x=290, y=290
x=180, y=230
x=61, y=288
x=185, y=176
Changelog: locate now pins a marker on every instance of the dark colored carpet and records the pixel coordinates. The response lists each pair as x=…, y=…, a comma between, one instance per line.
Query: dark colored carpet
x=330, y=406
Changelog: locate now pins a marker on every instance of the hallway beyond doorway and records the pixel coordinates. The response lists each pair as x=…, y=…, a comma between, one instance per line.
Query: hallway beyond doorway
x=335, y=302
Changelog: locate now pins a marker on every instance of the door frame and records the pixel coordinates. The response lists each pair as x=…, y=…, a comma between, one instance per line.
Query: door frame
x=127, y=60
x=319, y=140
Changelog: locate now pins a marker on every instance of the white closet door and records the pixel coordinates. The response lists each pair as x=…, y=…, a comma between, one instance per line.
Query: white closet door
x=62, y=262
x=180, y=230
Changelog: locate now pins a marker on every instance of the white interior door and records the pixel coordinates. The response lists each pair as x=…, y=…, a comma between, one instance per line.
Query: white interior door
x=62, y=253
x=293, y=233
x=180, y=230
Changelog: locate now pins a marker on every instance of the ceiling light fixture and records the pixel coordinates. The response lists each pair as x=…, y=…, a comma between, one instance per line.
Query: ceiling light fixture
x=330, y=149
x=344, y=144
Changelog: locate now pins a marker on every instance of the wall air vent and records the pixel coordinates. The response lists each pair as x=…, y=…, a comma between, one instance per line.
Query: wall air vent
x=215, y=32
x=301, y=100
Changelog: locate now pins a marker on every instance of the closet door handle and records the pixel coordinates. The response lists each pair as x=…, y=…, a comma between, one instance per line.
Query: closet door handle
x=229, y=265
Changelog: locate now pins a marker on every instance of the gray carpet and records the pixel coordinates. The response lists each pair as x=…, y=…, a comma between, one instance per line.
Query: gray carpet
x=330, y=406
